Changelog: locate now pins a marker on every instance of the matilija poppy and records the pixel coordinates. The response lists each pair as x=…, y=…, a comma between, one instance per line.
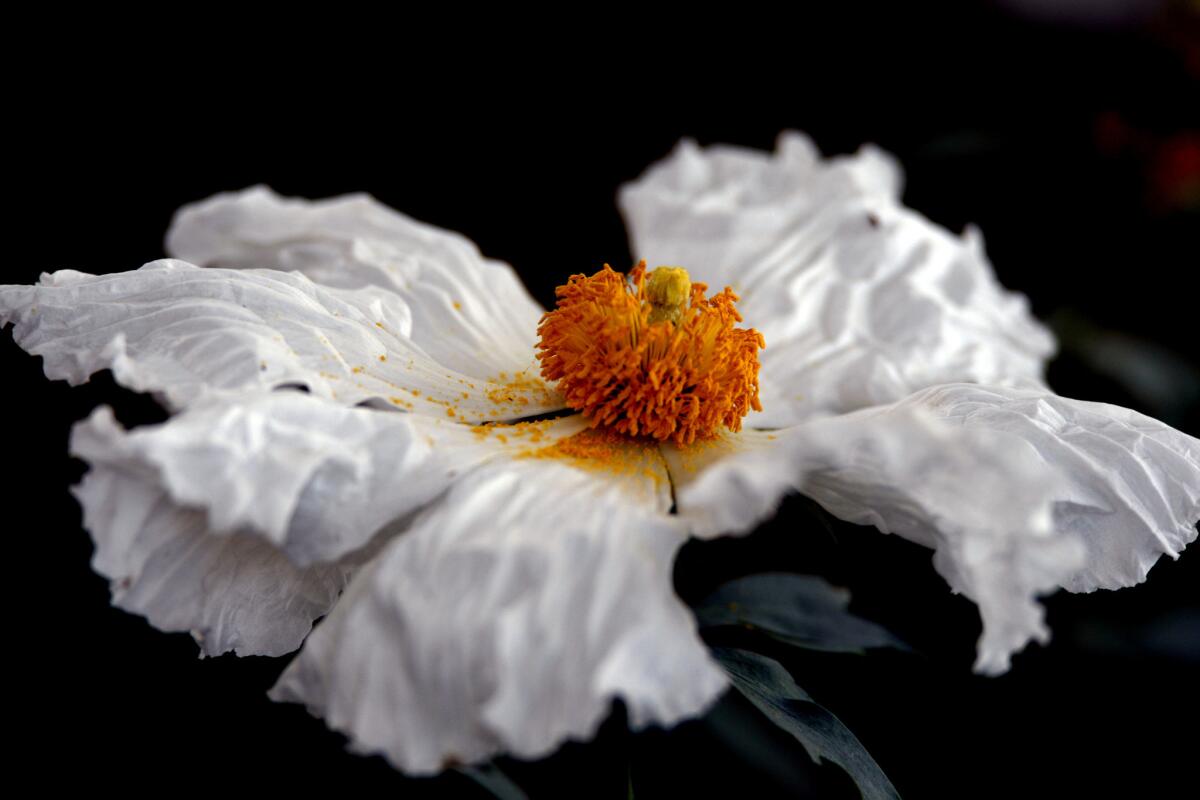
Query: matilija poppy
x=491, y=585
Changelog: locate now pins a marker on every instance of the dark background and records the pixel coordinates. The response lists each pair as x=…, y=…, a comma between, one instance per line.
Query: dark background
x=1073, y=142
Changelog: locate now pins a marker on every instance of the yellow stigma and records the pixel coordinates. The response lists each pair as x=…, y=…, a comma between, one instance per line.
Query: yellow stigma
x=668, y=289
x=651, y=355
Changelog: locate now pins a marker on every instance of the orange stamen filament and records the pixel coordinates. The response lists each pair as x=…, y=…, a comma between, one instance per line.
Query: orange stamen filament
x=651, y=356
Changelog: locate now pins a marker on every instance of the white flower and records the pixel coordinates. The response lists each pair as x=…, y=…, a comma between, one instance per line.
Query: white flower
x=493, y=589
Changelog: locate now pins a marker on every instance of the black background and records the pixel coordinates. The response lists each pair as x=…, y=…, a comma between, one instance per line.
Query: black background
x=1056, y=138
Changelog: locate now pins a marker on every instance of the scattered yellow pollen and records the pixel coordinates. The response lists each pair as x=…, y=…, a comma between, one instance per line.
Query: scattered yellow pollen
x=632, y=357
x=457, y=306
x=383, y=358
x=378, y=324
x=534, y=431
x=450, y=412
x=517, y=390
x=605, y=450
x=356, y=370
x=500, y=395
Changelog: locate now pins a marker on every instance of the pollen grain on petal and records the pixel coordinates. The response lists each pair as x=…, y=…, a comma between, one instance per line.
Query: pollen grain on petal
x=650, y=355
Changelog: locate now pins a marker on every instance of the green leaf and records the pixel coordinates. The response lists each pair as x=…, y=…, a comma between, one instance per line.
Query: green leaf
x=800, y=610
x=767, y=685
x=493, y=779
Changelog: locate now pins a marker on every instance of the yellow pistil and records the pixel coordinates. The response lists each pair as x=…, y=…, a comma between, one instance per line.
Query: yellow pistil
x=668, y=289
x=651, y=356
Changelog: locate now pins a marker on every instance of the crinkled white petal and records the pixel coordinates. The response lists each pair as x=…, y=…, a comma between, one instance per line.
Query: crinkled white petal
x=1019, y=491
x=231, y=592
x=506, y=620
x=314, y=479
x=1133, y=483
x=861, y=300
x=469, y=313
x=188, y=333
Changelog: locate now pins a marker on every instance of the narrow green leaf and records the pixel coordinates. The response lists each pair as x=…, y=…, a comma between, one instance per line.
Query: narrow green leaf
x=491, y=778
x=800, y=610
x=767, y=685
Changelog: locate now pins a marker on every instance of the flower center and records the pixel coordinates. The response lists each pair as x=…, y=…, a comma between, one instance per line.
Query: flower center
x=650, y=355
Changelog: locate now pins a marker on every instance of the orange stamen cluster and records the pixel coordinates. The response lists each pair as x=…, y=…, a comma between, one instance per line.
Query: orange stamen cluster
x=682, y=380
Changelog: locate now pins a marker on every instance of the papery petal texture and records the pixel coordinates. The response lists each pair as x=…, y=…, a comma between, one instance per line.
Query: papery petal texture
x=1132, y=483
x=468, y=313
x=1018, y=491
x=186, y=333
x=314, y=479
x=234, y=591
x=507, y=619
x=861, y=300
